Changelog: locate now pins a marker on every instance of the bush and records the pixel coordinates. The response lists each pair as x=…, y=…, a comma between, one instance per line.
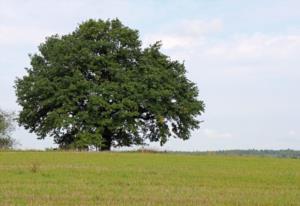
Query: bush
x=6, y=127
x=7, y=142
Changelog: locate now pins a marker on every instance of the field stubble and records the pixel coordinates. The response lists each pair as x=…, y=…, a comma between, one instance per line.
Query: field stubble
x=82, y=178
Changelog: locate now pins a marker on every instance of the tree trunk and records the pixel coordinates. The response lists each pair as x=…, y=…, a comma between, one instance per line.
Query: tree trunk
x=106, y=147
x=107, y=140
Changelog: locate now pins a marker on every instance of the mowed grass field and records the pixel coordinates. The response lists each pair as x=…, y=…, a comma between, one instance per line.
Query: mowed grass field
x=82, y=178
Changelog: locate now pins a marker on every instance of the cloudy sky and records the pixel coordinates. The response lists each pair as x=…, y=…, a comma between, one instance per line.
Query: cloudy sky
x=243, y=55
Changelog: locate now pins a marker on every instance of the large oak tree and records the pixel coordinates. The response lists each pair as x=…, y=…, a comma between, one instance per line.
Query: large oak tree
x=98, y=86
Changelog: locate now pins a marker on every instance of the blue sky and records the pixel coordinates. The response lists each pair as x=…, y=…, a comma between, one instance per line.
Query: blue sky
x=243, y=55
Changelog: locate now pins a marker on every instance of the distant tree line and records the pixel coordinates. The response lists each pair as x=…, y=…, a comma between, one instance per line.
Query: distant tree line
x=287, y=153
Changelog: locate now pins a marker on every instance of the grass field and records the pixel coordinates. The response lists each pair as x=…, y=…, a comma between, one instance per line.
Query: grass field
x=71, y=178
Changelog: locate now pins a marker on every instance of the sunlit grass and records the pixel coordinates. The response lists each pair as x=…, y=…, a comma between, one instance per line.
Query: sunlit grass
x=71, y=178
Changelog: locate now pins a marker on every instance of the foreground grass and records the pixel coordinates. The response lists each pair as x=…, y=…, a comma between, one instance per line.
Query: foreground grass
x=70, y=178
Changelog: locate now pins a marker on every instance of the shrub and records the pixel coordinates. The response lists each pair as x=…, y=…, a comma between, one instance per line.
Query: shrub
x=6, y=127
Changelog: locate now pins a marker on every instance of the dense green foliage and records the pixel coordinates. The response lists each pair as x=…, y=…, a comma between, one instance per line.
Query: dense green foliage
x=81, y=178
x=6, y=126
x=97, y=86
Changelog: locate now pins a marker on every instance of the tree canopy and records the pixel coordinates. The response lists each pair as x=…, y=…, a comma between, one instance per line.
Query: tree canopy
x=98, y=86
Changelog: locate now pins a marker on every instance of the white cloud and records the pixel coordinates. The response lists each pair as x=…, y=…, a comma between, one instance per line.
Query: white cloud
x=170, y=41
x=197, y=35
x=256, y=54
x=185, y=34
x=255, y=46
x=237, y=54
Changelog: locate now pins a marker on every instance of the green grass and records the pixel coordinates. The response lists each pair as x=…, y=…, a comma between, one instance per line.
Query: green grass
x=70, y=178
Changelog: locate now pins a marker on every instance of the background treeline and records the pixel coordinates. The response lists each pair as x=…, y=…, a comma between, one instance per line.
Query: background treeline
x=287, y=153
